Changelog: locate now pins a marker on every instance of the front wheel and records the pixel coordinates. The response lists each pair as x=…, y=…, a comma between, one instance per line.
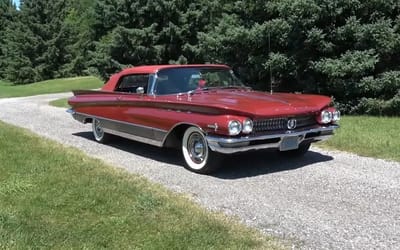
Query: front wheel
x=198, y=156
x=98, y=132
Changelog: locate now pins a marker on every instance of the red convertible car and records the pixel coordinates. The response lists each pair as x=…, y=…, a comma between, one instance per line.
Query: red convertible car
x=205, y=110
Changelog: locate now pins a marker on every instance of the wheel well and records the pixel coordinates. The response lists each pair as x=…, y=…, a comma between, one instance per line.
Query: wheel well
x=174, y=138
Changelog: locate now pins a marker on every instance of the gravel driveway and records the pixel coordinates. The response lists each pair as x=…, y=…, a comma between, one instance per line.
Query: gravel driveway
x=326, y=200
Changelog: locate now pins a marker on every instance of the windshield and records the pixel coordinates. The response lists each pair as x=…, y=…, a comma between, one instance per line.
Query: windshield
x=181, y=80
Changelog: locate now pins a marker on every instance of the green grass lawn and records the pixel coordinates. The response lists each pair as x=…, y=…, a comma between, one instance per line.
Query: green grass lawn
x=51, y=86
x=61, y=103
x=368, y=136
x=53, y=197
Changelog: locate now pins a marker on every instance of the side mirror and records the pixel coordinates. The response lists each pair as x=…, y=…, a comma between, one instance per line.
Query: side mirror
x=140, y=90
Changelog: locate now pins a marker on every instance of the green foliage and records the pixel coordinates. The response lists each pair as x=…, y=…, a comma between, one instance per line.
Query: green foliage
x=383, y=86
x=132, y=33
x=346, y=49
x=320, y=46
x=7, y=16
x=381, y=95
x=350, y=64
x=374, y=106
x=39, y=44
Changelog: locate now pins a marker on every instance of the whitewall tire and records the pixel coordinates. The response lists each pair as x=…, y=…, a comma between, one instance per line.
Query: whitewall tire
x=98, y=132
x=198, y=156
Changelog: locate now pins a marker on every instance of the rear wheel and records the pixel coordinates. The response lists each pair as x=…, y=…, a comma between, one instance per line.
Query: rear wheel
x=98, y=132
x=198, y=156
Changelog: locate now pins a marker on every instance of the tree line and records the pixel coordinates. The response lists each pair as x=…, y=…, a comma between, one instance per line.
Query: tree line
x=348, y=49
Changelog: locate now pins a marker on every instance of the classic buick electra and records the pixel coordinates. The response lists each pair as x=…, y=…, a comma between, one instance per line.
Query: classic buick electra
x=205, y=111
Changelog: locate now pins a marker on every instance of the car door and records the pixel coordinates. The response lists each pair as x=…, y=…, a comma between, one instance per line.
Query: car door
x=135, y=109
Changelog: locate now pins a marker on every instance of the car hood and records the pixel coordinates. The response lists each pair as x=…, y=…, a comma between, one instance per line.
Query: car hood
x=259, y=104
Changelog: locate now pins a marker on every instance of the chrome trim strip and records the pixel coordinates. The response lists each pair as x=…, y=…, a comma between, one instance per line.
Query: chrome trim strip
x=227, y=145
x=155, y=137
x=122, y=122
x=134, y=137
x=71, y=111
x=132, y=124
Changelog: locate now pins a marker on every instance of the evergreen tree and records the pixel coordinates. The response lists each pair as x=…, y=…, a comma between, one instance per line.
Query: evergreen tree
x=7, y=16
x=39, y=42
x=132, y=32
x=78, y=21
x=348, y=49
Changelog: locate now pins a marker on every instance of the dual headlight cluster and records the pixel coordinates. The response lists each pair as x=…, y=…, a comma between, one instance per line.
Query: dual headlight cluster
x=236, y=127
x=328, y=116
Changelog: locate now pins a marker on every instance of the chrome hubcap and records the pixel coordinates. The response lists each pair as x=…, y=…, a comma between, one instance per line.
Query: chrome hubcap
x=197, y=148
x=97, y=129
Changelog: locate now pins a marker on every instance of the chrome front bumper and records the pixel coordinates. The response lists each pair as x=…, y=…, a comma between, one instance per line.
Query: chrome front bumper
x=227, y=145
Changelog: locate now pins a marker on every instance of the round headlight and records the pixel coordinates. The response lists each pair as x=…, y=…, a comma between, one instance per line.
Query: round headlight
x=326, y=116
x=247, y=126
x=234, y=127
x=336, y=115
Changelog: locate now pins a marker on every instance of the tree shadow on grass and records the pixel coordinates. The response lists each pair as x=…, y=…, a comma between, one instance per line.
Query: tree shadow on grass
x=234, y=166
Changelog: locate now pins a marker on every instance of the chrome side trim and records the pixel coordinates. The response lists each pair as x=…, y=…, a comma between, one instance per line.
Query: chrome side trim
x=134, y=137
x=70, y=111
x=228, y=145
x=127, y=130
x=121, y=122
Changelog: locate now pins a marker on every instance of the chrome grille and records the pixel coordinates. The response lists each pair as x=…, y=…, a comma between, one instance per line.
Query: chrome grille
x=270, y=124
x=281, y=123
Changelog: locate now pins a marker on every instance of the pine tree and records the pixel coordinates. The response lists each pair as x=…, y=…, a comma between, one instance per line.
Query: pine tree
x=7, y=16
x=129, y=32
x=348, y=49
x=39, y=42
x=78, y=21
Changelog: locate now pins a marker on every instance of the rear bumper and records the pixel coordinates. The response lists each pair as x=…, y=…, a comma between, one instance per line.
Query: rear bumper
x=78, y=116
x=227, y=145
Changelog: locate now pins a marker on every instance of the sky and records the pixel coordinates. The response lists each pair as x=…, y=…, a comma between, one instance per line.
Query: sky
x=16, y=2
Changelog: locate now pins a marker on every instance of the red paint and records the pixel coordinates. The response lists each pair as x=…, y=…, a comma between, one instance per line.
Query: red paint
x=202, y=108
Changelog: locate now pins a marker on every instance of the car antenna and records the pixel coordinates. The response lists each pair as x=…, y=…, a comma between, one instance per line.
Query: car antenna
x=270, y=67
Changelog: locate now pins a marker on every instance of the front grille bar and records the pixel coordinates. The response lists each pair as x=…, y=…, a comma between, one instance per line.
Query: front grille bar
x=281, y=123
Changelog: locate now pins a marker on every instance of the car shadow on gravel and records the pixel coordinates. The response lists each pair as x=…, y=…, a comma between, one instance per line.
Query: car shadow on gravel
x=166, y=155
x=235, y=166
x=264, y=162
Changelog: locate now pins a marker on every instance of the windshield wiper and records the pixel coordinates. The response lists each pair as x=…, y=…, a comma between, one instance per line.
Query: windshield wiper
x=227, y=87
x=191, y=92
